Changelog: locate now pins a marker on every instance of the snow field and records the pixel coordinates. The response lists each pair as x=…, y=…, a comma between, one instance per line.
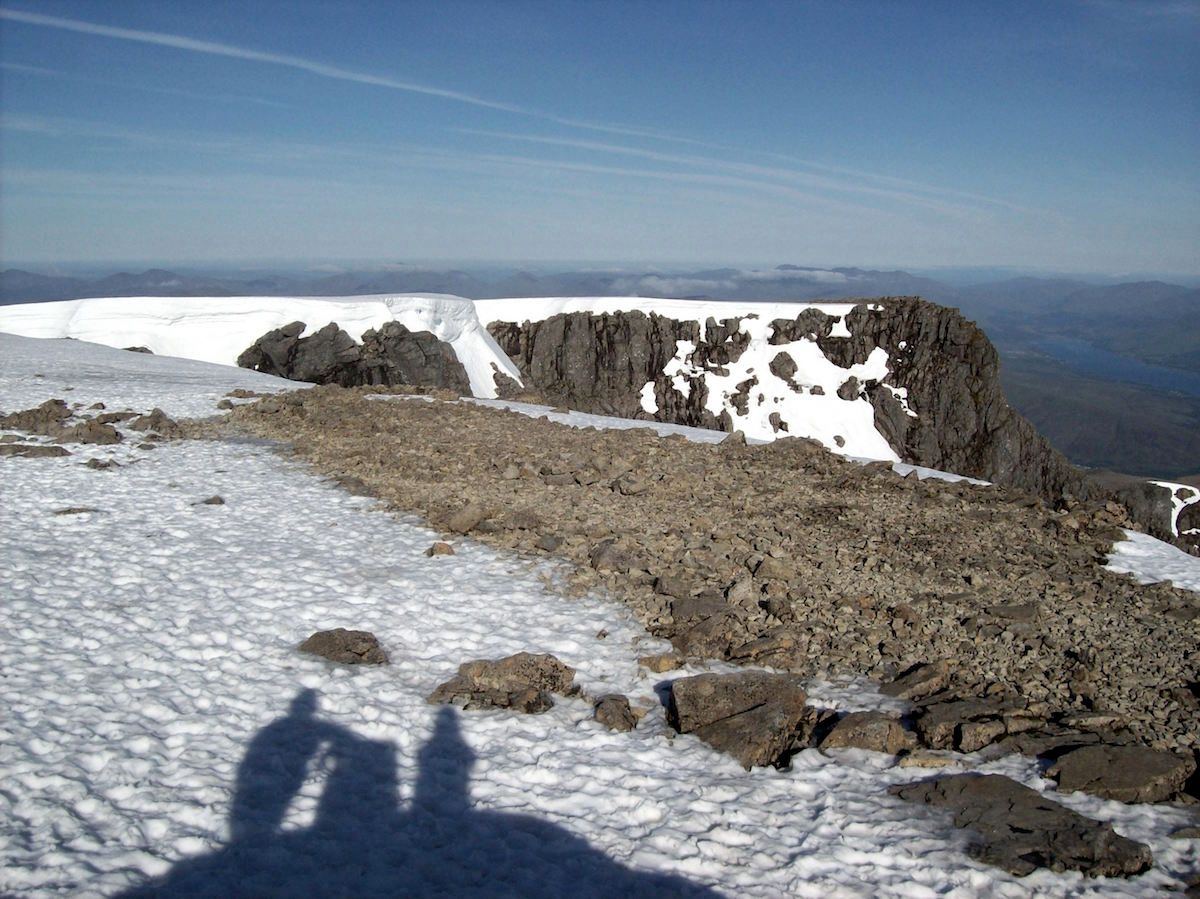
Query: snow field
x=146, y=644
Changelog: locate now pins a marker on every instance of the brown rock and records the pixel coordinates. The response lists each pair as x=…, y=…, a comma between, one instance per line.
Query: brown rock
x=875, y=731
x=753, y=716
x=521, y=682
x=346, y=646
x=613, y=711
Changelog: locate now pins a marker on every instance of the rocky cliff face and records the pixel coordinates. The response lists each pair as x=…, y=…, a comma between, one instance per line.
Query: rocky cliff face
x=937, y=402
x=935, y=397
x=391, y=354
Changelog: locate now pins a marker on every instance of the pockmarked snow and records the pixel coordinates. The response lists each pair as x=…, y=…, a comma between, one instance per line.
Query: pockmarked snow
x=33, y=370
x=219, y=329
x=159, y=721
x=1151, y=561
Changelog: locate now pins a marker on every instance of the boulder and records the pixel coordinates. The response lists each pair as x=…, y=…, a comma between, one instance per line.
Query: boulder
x=158, y=422
x=90, y=432
x=875, y=731
x=346, y=646
x=440, y=548
x=918, y=681
x=46, y=419
x=392, y=354
x=661, y=662
x=754, y=716
x=1124, y=773
x=1020, y=830
x=467, y=518
x=613, y=711
x=32, y=450
x=968, y=724
x=521, y=682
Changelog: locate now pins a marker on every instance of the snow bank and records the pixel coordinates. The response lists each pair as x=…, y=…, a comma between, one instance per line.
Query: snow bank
x=1150, y=561
x=218, y=329
x=33, y=370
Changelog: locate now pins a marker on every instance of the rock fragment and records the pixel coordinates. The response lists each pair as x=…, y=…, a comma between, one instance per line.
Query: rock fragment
x=875, y=731
x=753, y=716
x=613, y=711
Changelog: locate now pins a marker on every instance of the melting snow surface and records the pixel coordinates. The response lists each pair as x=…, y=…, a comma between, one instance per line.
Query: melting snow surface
x=157, y=720
x=1151, y=560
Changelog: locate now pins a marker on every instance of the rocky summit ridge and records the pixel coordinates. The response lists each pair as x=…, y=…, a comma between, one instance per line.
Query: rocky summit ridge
x=893, y=375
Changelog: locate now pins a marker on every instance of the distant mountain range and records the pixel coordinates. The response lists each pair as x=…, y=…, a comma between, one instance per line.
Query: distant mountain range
x=1066, y=344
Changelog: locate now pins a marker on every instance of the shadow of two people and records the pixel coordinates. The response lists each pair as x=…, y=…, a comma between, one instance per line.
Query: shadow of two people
x=362, y=843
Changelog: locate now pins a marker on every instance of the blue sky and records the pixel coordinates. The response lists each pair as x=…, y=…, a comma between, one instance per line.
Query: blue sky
x=1061, y=134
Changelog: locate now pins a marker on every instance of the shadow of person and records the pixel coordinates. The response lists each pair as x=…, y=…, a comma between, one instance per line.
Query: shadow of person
x=361, y=842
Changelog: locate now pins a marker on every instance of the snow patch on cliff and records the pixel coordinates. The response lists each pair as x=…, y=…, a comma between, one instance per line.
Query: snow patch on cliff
x=1182, y=496
x=747, y=390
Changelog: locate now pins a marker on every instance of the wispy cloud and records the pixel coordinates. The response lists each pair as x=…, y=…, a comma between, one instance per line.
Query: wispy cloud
x=325, y=70
x=232, y=51
x=1149, y=11
x=912, y=196
x=27, y=70
x=43, y=72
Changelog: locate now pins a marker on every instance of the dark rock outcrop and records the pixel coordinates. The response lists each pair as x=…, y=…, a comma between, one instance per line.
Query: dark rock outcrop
x=389, y=355
x=395, y=355
x=1020, y=831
